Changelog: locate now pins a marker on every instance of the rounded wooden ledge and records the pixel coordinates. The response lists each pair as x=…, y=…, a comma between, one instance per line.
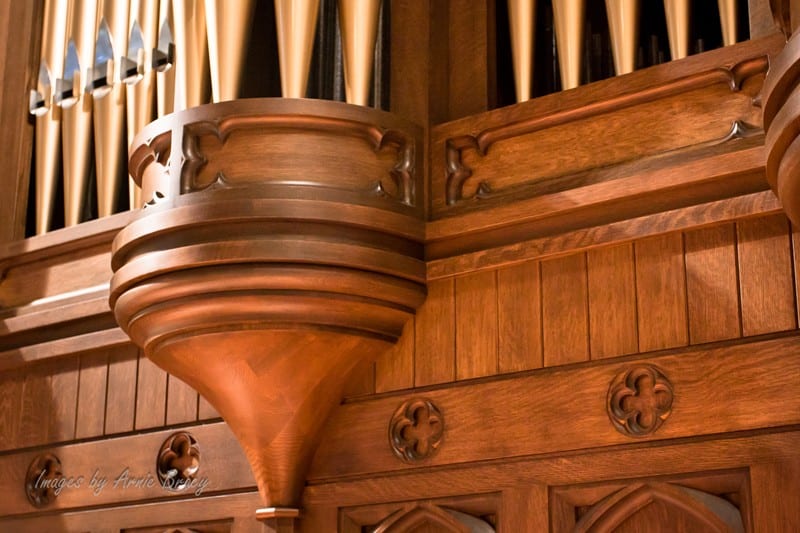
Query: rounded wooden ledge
x=781, y=101
x=280, y=246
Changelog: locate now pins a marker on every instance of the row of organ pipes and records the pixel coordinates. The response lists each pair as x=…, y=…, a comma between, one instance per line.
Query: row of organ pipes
x=109, y=67
x=103, y=61
x=623, y=24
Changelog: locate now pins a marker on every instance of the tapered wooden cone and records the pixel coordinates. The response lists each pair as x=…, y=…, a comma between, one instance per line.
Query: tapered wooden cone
x=677, y=13
x=109, y=110
x=191, y=57
x=165, y=74
x=228, y=27
x=727, y=19
x=143, y=20
x=522, y=22
x=77, y=116
x=623, y=24
x=48, y=116
x=296, y=21
x=359, y=22
x=568, y=17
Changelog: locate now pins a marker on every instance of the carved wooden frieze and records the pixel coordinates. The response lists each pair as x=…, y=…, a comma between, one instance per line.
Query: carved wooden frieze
x=178, y=461
x=44, y=480
x=416, y=430
x=639, y=400
x=522, y=151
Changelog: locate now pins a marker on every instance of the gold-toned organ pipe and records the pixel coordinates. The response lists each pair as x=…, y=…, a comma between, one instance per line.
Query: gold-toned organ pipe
x=359, y=22
x=140, y=79
x=48, y=116
x=677, y=14
x=296, y=21
x=77, y=107
x=191, y=65
x=164, y=57
x=568, y=17
x=727, y=18
x=623, y=25
x=522, y=21
x=109, y=103
x=228, y=26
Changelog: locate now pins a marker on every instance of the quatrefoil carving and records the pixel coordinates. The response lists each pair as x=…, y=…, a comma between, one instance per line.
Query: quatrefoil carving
x=639, y=400
x=416, y=430
x=178, y=461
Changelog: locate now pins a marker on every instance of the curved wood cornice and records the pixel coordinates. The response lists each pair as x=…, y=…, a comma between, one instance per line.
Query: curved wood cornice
x=781, y=97
x=280, y=246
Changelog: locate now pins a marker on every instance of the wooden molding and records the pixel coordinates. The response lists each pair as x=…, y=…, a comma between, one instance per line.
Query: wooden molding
x=325, y=269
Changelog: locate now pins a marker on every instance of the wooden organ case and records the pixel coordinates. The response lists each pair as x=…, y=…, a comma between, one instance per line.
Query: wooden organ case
x=536, y=270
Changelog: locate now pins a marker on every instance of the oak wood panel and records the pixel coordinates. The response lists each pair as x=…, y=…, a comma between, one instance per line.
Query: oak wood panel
x=565, y=316
x=121, y=398
x=519, y=308
x=20, y=22
x=554, y=411
x=712, y=284
x=471, y=48
x=661, y=292
x=705, y=453
x=608, y=234
x=151, y=395
x=612, y=301
x=476, y=325
x=524, y=510
x=796, y=251
x=774, y=488
x=394, y=370
x=64, y=390
x=105, y=339
x=11, y=384
x=181, y=402
x=92, y=386
x=223, y=468
x=118, y=518
x=765, y=275
x=435, y=335
x=37, y=401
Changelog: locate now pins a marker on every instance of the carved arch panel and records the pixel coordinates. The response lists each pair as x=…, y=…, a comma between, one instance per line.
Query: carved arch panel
x=428, y=518
x=661, y=507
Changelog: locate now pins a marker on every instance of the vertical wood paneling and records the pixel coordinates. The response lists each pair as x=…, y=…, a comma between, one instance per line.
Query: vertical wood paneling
x=92, y=395
x=121, y=401
x=394, y=370
x=765, y=275
x=519, y=317
x=471, y=48
x=151, y=395
x=564, y=310
x=524, y=510
x=11, y=384
x=661, y=292
x=434, y=361
x=612, y=301
x=711, y=284
x=476, y=325
x=64, y=389
x=774, y=488
x=796, y=251
x=205, y=410
x=36, y=403
x=181, y=401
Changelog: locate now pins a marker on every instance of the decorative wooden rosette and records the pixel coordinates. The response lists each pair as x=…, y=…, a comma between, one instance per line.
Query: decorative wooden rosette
x=280, y=247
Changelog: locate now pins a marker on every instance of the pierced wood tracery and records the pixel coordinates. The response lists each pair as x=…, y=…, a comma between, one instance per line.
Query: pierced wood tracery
x=639, y=400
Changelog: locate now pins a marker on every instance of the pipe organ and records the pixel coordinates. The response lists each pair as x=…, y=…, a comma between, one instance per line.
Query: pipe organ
x=110, y=67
